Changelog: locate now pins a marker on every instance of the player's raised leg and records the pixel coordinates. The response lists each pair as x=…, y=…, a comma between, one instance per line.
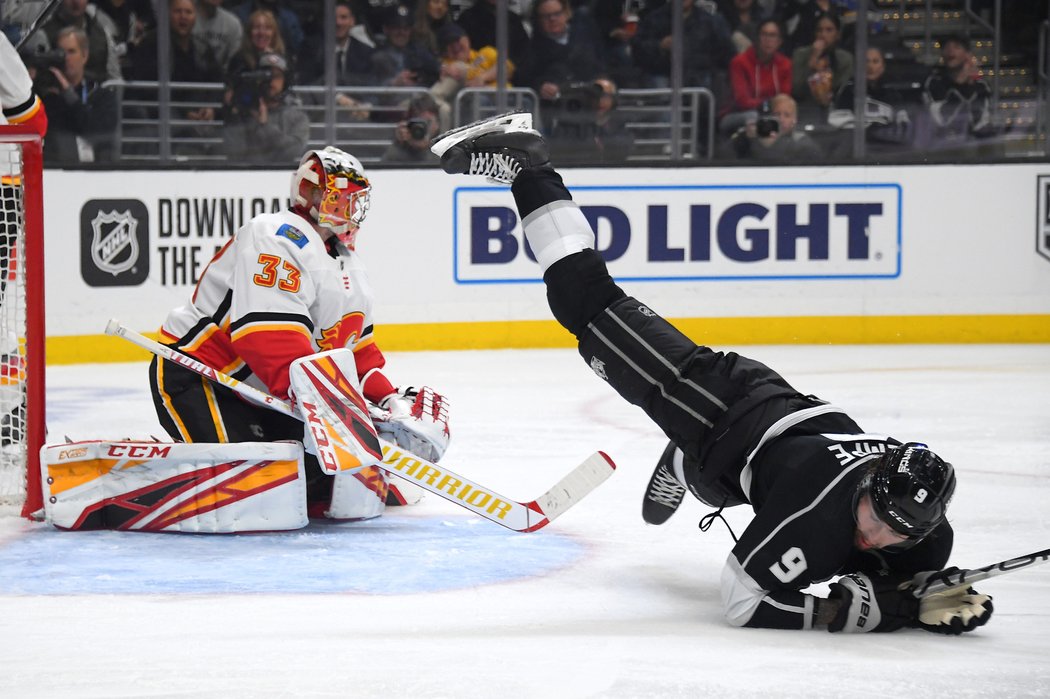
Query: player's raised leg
x=624, y=342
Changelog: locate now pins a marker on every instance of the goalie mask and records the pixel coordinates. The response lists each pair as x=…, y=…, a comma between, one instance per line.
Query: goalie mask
x=910, y=490
x=331, y=187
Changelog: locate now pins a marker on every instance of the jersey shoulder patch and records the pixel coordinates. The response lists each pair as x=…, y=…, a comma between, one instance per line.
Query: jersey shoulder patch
x=293, y=234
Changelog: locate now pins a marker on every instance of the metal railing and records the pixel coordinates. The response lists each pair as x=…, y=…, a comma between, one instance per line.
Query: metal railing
x=151, y=129
x=1042, y=114
x=474, y=103
x=365, y=126
x=365, y=122
x=647, y=112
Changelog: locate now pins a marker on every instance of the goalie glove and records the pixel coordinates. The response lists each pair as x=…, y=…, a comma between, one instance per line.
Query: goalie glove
x=953, y=611
x=872, y=605
x=416, y=420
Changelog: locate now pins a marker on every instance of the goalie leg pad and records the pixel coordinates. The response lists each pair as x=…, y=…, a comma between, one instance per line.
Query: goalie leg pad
x=327, y=394
x=358, y=495
x=156, y=486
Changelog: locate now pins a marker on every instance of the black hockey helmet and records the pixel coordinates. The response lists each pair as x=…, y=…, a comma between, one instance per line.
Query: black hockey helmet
x=910, y=489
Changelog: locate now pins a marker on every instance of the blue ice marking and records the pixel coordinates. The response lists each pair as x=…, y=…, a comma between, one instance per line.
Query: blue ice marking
x=389, y=555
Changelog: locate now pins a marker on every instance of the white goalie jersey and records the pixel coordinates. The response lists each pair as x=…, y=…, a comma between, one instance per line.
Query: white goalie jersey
x=274, y=293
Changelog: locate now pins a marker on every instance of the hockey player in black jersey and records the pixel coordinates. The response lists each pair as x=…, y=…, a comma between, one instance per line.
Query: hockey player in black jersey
x=829, y=498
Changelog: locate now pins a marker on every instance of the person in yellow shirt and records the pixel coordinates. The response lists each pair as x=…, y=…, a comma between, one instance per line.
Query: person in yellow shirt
x=469, y=68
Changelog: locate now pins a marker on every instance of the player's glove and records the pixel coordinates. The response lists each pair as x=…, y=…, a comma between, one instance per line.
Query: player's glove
x=953, y=611
x=416, y=420
x=872, y=605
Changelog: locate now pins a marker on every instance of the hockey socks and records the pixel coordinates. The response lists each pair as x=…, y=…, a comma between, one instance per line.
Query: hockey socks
x=553, y=223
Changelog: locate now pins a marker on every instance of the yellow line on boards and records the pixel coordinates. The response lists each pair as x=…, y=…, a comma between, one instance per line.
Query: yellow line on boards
x=524, y=334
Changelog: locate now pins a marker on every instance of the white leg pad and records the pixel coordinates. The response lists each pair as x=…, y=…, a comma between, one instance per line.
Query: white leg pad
x=157, y=486
x=557, y=230
x=327, y=394
x=358, y=495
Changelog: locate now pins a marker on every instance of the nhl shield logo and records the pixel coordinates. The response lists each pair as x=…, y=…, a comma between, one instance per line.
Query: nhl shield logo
x=1042, y=228
x=114, y=247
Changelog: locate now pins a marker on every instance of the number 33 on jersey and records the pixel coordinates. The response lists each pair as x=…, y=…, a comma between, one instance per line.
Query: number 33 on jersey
x=279, y=292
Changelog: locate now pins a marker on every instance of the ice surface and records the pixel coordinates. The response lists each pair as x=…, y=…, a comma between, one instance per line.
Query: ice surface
x=431, y=602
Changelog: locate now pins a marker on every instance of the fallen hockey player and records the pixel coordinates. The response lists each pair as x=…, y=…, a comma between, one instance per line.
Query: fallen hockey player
x=830, y=499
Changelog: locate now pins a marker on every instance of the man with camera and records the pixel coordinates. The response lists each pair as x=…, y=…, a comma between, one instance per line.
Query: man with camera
x=584, y=125
x=413, y=136
x=263, y=122
x=773, y=138
x=82, y=113
x=104, y=61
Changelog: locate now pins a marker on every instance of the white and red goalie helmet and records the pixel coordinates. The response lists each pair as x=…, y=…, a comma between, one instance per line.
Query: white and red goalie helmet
x=345, y=192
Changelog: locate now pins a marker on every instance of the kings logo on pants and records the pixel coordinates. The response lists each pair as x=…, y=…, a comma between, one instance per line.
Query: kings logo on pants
x=114, y=242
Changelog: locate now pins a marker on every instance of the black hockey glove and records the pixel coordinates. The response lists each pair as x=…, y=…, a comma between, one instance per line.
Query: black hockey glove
x=872, y=605
x=953, y=611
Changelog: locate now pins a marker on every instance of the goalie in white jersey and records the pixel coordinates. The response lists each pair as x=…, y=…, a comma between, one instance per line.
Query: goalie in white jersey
x=287, y=285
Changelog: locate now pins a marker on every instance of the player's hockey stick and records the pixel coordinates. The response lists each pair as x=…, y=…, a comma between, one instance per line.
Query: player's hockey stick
x=947, y=579
x=519, y=516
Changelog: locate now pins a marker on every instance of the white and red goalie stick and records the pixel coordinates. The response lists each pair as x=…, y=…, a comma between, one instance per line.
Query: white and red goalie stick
x=519, y=516
x=949, y=578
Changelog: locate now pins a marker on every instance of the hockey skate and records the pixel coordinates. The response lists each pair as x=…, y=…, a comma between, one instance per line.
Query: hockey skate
x=664, y=493
x=498, y=148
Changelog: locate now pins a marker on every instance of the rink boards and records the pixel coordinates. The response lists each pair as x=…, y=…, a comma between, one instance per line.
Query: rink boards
x=775, y=255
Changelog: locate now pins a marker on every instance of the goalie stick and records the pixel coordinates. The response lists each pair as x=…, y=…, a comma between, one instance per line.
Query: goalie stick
x=948, y=578
x=519, y=516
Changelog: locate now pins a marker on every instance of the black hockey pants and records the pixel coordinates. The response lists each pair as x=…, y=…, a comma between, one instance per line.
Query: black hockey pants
x=714, y=406
x=192, y=408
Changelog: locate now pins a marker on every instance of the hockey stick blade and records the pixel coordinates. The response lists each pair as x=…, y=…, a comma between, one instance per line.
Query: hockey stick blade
x=518, y=516
x=574, y=486
x=947, y=579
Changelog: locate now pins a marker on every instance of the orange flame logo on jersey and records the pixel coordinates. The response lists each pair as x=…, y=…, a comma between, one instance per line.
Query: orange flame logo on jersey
x=343, y=334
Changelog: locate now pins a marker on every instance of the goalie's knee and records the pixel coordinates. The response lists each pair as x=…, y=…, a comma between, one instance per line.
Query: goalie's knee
x=358, y=495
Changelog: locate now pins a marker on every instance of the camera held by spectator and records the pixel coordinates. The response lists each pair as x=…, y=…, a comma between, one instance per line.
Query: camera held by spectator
x=42, y=60
x=263, y=120
x=413, y=135
x=39, y=64
x=578, y=103
x=418, y=129
x=773, y=137
x=767, y=123
x=249, y=88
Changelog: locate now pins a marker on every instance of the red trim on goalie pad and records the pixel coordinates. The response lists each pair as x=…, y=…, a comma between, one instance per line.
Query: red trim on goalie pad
x=362, y=431
x=125, y=511
x=372, y=478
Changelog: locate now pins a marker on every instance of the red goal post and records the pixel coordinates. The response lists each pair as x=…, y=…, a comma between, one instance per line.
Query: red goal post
x=22, y=333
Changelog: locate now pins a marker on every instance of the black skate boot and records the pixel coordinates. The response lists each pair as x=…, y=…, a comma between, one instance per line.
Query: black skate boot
x=498, y=148
x=664, y=493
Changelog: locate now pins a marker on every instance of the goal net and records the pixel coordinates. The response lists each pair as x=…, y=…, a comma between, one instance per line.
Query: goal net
x=21, y=320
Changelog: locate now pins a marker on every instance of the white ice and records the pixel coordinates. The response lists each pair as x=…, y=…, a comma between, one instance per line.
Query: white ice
x=431, y=602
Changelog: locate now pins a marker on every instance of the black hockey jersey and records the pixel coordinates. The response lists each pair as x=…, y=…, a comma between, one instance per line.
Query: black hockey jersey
x=803, y=489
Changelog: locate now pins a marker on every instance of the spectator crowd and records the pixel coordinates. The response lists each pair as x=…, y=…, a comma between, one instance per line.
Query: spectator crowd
x=779, y=70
